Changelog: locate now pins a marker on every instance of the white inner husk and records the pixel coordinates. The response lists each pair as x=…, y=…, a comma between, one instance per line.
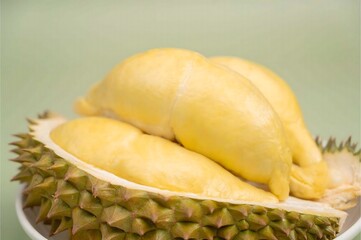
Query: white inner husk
x=41, y=132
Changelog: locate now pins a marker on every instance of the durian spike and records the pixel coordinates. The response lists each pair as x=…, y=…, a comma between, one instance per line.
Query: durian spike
x=44, y=209
x=65, y=224
x=24, y=157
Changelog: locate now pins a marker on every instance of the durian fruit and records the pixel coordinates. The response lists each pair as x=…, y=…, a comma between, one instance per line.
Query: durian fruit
x=309, y=173
x=92, y=203
x=180, y=95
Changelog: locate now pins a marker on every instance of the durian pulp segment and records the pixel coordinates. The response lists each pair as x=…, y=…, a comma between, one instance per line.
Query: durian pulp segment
x=125, y=151
x=41, y=132
x=179, y=94
x=309, y=182
x=309, y=172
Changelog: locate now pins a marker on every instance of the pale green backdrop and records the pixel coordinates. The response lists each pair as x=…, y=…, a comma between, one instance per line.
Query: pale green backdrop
x=52, y=51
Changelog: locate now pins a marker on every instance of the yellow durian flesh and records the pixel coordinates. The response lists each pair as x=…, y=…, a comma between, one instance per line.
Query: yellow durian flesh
x=179, y=94
x=125, y=151
x=141, y=90
x=309, y=174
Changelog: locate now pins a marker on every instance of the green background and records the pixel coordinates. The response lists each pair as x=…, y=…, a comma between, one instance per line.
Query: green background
x=52, y=51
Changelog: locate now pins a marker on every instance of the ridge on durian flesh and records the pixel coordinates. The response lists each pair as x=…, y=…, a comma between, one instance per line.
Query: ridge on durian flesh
x=125, y=151
x=180, y=95
x=344, y=163
x=309, y=171
x=94, y=204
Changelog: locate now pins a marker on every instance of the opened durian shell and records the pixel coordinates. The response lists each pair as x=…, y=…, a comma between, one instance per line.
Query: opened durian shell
x=344, y=163
x=93, y=204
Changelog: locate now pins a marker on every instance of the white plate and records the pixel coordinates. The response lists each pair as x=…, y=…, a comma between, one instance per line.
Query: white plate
x=41, y=231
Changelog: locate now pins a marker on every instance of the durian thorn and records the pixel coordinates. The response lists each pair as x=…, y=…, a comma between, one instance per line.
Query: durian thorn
x=21, y=135
x=22, y=158
x=332, y=146
x=358, y=153
x=59, y=168
x=44, y=162
x=322, y=222
x=316, y=231
x=268, y=233
x=59, y=209
x=65, y=224
x=341, y=146
x=44, y=209
x=318, y=141
x=27, y=164
x=17, y=151
x=348, y=142
x=351, y=147
x=23, y=142
x=83, y=221
x=90, y=204
x=36, y=180
x=48, y=186
x=74, y=173
x=31, y=121
x=35, y=151
x=47, y=114
x=64, y=188
x=18, y=144
x=22, y=175
x=31, y=199
x=57, y=165
x=110, y=233
x=330, y=230
x=55, y=223
x=302, y=233
x=292, y=235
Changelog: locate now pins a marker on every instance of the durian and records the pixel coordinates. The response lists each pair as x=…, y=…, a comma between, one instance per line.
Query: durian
x=180, y=95
x=92, y=203
x=309, y=173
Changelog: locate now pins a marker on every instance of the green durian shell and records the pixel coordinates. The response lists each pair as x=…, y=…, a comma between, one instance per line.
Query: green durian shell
x=72, y=200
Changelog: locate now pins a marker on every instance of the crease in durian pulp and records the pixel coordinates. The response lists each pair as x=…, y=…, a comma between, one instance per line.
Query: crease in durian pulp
x=41, y=132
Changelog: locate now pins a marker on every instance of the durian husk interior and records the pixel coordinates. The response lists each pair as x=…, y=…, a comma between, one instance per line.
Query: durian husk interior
x=344, y=163
x=89, y=207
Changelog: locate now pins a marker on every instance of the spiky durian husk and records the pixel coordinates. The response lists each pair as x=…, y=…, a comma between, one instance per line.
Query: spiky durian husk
x=71, y=199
